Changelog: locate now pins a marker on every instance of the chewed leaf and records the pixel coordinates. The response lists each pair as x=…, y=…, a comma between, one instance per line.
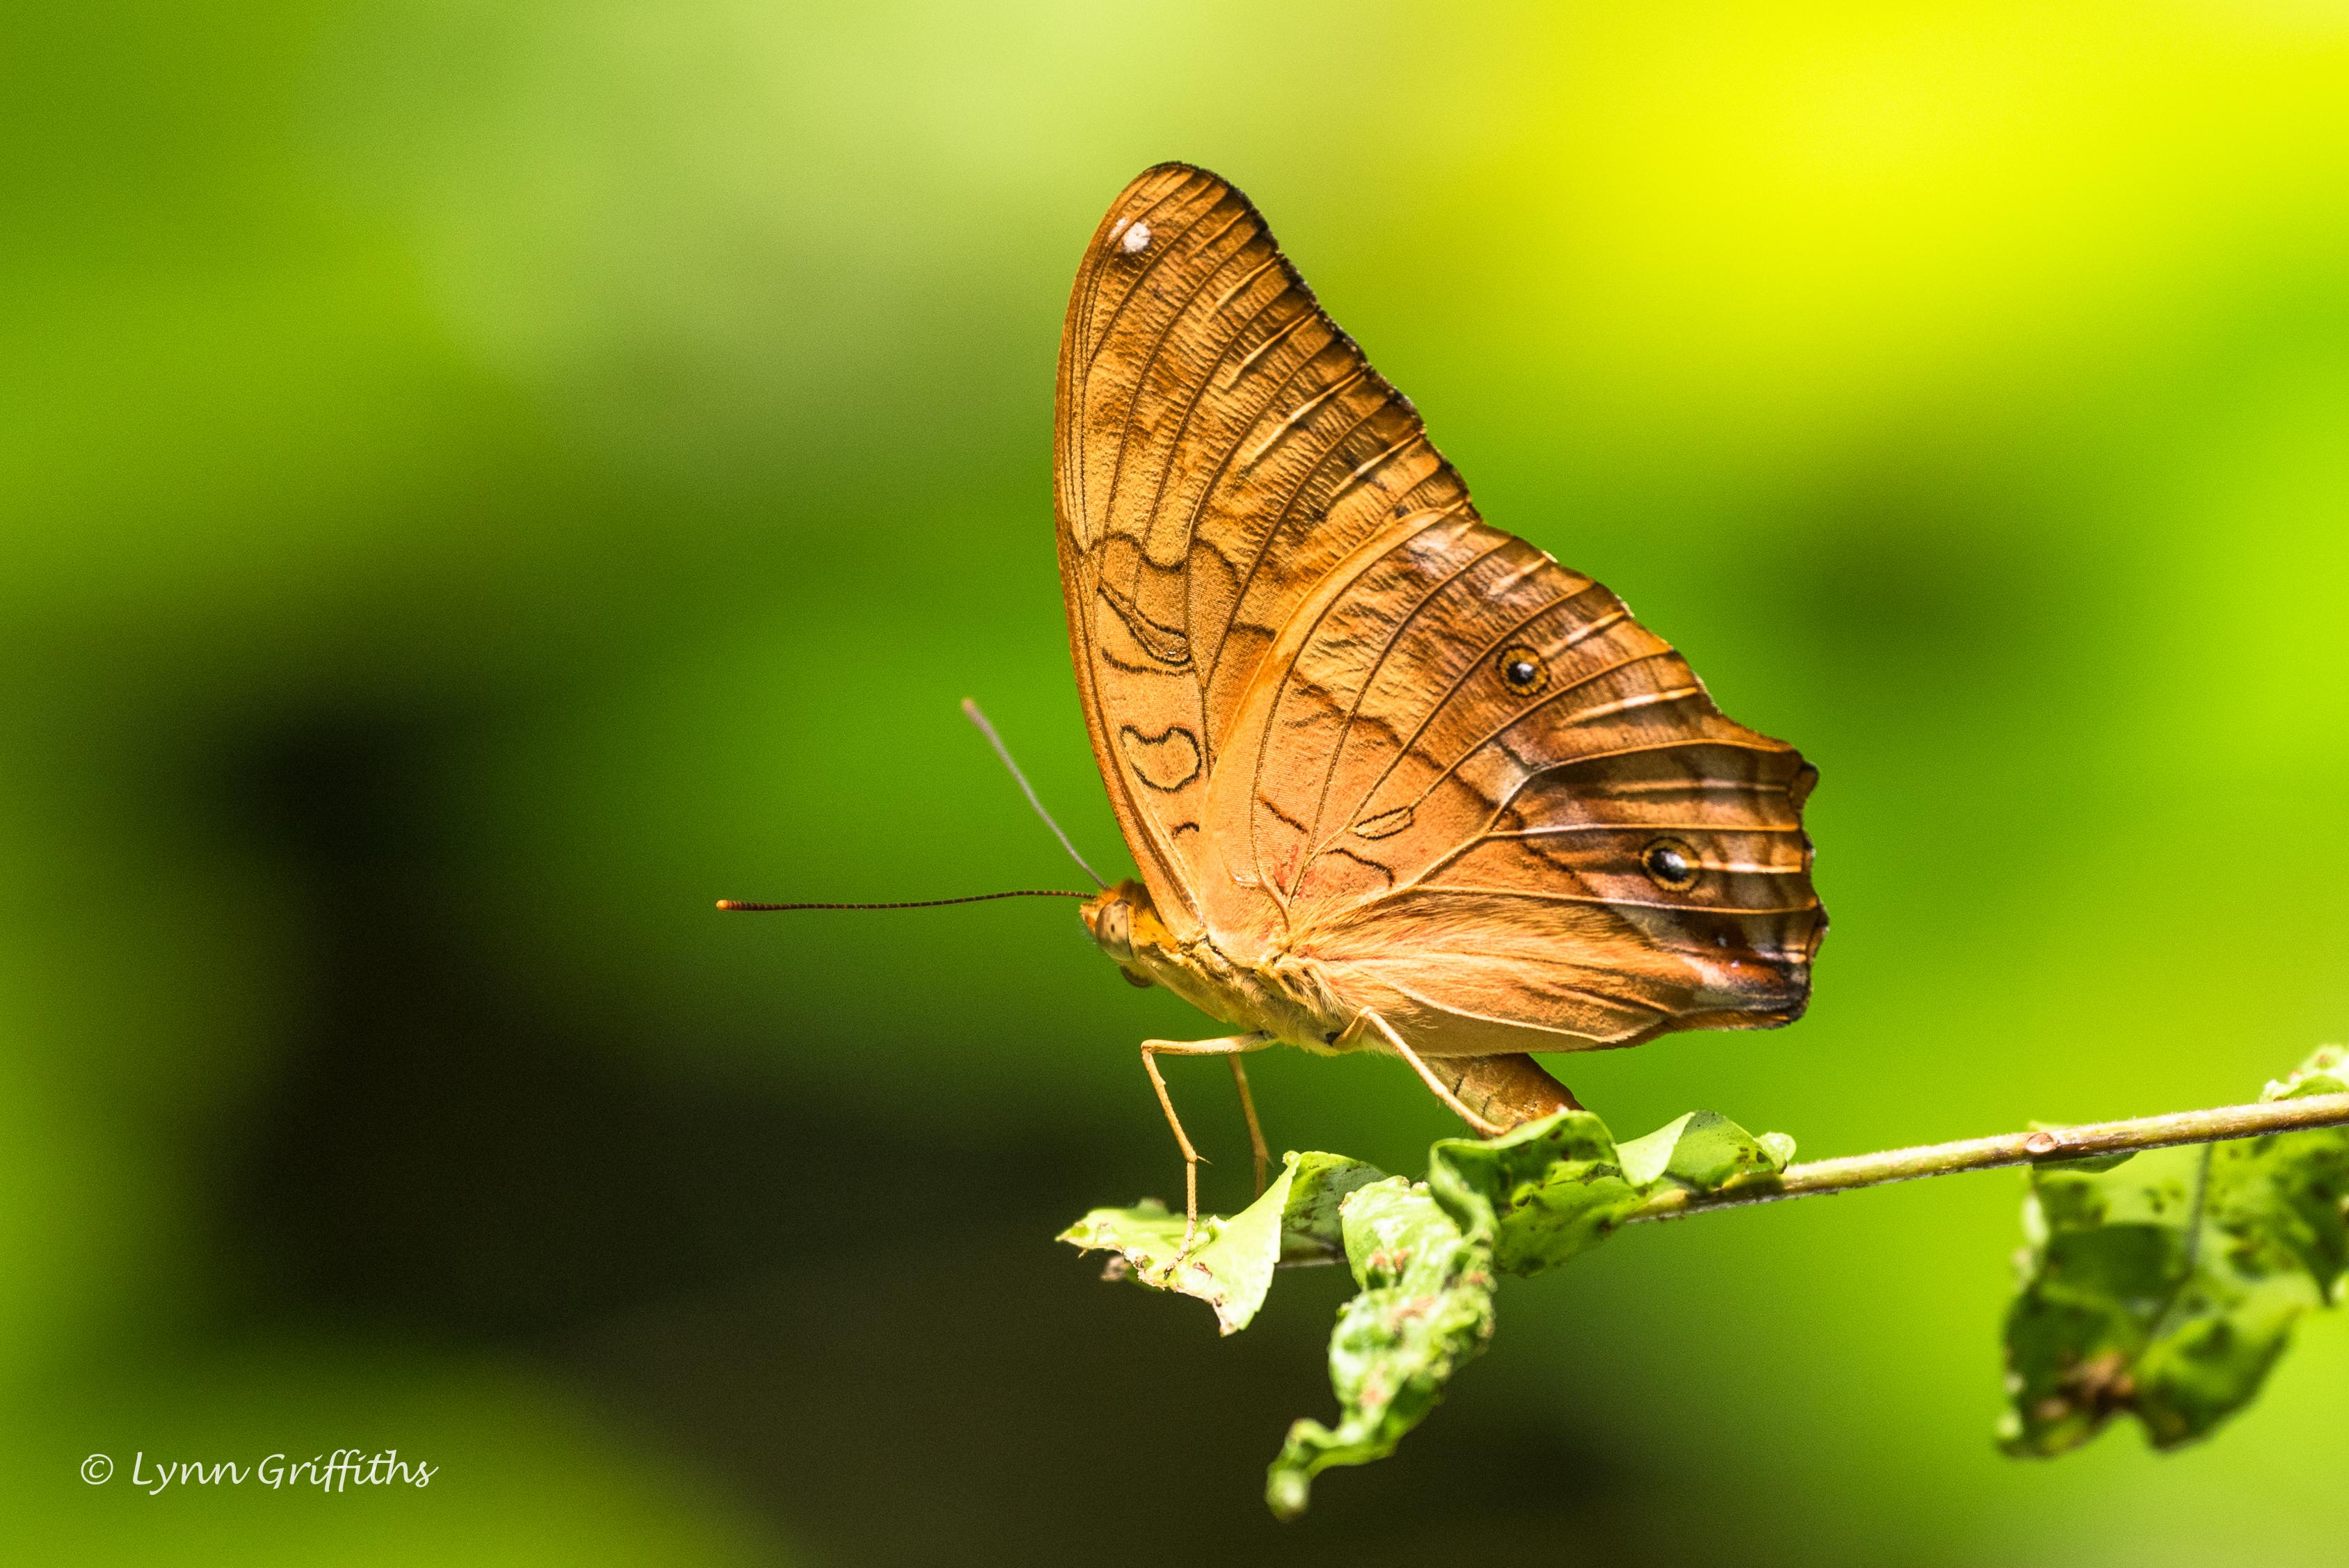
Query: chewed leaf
x=1704, y=1151
x=1312, y=1230
x=1538, y=1194
x=1425, y=1308
x=1425, y=1254
x=2168, y=1286
x=1553, y=1189
x=1425, y=1257
x=1643, y=1159
x=1230, y=1262
x=1146, y=1236
x=2325, y=1073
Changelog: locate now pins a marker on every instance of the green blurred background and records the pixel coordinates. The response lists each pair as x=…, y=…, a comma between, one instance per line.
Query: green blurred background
x=482, y=481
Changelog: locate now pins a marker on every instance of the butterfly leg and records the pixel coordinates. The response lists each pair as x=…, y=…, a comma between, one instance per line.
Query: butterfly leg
x=1231, y=1045
x=1257, y=1151
x=1371, y=1020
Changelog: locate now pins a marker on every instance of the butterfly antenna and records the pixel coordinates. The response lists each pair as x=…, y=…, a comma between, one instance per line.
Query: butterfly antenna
x=970, y=710
x=739, y=906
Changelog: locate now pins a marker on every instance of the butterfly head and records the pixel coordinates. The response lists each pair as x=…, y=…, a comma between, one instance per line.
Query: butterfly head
x=1119, y=918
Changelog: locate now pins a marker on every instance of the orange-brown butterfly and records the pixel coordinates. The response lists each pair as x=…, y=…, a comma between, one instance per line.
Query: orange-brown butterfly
x=1396, y=780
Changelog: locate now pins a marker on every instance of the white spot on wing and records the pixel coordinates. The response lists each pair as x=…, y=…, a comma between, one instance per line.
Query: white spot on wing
x=1135, y=240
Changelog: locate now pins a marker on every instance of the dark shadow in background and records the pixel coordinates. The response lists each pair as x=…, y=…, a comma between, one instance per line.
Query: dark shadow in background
x=866, y=1331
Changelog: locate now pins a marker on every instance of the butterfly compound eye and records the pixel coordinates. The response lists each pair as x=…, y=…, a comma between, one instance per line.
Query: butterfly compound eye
x=1670, y=865
x=1522, y=670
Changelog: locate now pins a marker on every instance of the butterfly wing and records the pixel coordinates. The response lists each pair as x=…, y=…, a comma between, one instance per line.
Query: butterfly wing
x=1342, y=718
x=1220, y=448
x=1498, y=809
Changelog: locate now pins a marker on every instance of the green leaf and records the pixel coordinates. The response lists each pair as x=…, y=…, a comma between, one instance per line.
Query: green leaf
x=1704, y=1151
x=1538, y=1194
x=1425, y=1256
x=2325, y=1073
x=1311, y=1227
x=2166, y=1287
x=2285, y=1194
x=1424, y=1253
x=1554, y=1189
x=1230, y=1261
x=1425, y=1309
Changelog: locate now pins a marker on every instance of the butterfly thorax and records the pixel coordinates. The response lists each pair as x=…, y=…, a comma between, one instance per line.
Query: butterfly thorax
x=1283, y=996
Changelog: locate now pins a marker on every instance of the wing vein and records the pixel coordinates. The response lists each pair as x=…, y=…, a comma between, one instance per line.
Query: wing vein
x=1272, y=708
x=1582, y=634
x=1584, y=716
x=1537, y=894
x=1378, y=666
x=1428, y=1002
x=1141, y=378
x=1280, y=525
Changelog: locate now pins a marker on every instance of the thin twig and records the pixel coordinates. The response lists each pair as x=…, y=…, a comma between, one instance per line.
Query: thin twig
x=1856, y=1170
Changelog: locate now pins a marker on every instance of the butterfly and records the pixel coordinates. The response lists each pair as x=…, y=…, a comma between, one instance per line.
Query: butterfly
x=1395, y=780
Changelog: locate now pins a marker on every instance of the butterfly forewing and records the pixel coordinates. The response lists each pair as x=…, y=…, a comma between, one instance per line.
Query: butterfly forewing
x=1344, y=717
x=1222, y=446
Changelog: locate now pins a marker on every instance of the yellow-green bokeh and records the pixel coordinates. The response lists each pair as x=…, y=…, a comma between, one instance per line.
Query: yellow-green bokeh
x=630, y=421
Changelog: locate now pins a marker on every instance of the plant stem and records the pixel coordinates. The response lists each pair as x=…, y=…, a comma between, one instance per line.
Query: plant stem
x=1856, y=1170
